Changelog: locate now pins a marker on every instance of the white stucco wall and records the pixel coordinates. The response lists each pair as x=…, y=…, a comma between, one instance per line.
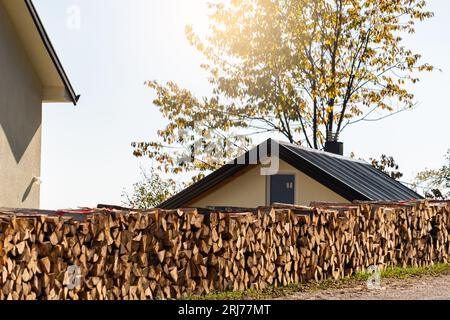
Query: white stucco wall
x=20, y=122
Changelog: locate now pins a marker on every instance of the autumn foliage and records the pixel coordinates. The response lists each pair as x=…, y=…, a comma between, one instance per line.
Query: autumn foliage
x=300, y=69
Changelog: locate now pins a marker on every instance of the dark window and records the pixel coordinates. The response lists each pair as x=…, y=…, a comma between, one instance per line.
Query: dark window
x=282, y=188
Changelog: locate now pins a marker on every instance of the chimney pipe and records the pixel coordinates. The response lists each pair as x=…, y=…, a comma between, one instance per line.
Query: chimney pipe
x=332, y=144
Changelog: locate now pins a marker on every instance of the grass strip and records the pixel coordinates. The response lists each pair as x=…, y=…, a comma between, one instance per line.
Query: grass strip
x=311, y=286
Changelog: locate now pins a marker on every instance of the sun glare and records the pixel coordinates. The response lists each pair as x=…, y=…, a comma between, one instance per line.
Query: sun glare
x=194, y=13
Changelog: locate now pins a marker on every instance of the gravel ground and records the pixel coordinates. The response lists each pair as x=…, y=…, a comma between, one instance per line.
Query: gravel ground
x=417, y=288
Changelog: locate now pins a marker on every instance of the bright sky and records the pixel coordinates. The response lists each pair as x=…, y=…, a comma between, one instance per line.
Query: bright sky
x=86, y=153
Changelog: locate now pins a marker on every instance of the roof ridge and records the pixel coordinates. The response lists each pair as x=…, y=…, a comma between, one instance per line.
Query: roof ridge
x=328, y=154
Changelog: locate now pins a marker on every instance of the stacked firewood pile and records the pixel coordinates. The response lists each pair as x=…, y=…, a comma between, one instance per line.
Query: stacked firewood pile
x=160, y=254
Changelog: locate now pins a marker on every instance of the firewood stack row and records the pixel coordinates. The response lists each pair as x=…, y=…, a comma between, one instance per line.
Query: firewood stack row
x=118, y=254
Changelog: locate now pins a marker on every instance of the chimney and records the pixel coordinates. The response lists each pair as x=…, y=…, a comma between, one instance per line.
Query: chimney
x=332, y=144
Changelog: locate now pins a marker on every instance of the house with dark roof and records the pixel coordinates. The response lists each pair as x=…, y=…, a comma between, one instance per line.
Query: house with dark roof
x=30, y=74
x=279, y=172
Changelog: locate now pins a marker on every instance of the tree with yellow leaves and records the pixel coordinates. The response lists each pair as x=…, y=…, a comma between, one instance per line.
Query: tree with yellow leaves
x=305, y=69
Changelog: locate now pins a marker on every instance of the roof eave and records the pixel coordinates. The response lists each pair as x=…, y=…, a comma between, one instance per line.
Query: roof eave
x=73, y=97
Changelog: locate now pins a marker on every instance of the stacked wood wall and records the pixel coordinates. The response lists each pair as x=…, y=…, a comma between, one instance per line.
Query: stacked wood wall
x=171, y=254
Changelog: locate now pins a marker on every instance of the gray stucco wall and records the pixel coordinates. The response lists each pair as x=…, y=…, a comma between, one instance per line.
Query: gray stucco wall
x=20, y=122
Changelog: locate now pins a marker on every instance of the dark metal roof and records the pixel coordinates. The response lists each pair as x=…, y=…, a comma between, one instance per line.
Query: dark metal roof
x=369, y=182
x=51, y=51
x=352, y=179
